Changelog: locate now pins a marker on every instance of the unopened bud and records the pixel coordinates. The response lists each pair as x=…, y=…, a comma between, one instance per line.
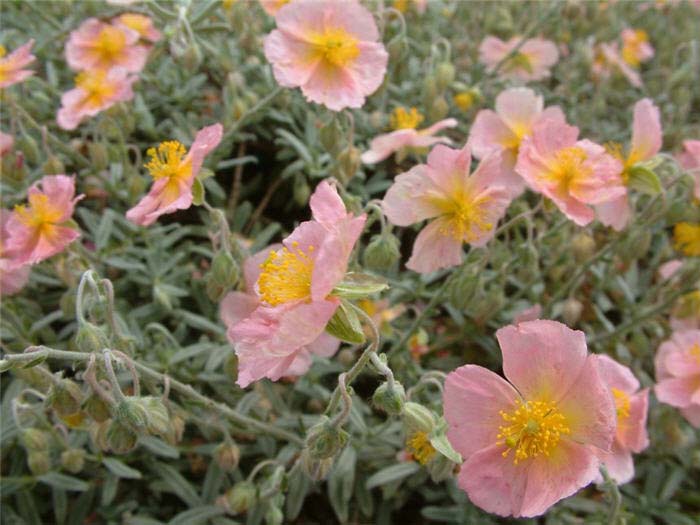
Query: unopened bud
x=27, y=145
x=227, y=455
x=430, y=90
x=39, y=462
x=324, y=440
x=382, y=253
x=121, y=439
x=65, y=397
x=315, y=469
x=440, y=468
x=464, y=286
x=224, y=269
x=390, y=400
x=97, y=408
x=98, y=434
x=439, y=109
x=91, y=338
x=571, y=311
x=418, y=418
x=241, y=497
x=331, y=136
x=274, y=516
x=301, y=190
x=444, y=75
x=347, y=164
x=177, y=428
x=53, y=166
x=583, y=246
x=157, y=417
x=35, y=440
x=73, y=460
x=132, y=413
x=98, y=155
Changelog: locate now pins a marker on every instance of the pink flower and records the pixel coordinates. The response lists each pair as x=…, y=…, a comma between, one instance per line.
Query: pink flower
x=669, y=268
x=236, y=307
x=97, y=45
x=532, y=61
x=464, y=208
x=631, y=405
x=142, y=24
x=608, y=59
x=406, y=135
x=12, y=277
x=517, y=110
x=94, y=92
x=294, y=300
x=11, y=66
x=690, y=160
x=174, y=172
x=6, y=143
x=574, y=174
x=677, y=366
x=42, y=229
x=330, y=49
x=532, y=440
x=531, y=313
x=646, y=143
x=272, y=6
x=636, y=47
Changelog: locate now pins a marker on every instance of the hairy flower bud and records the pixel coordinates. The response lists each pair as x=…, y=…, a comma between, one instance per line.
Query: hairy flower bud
x=418, y=418
x=121, y=439
x=583, y=246
x=331, y=136
x=440, y=468
x=347, y=164
x=390, y=400
x=301, y=190
x=132, y=413
x=224, y=269
x=227, y=455
x=53, y=165
x=91, y=338
x=35, y=440
x=571, y=311
x=73, y=460
x=65, y=397
x=324, y=440
x=444, y=75
x=382, y=253
x=439, y=109
x=39, y=462
x=315, y=469
x=464, y=286
x=241, y=497
x=98, y=155
x=98, y=434
x=274, y=515
x=97, y=408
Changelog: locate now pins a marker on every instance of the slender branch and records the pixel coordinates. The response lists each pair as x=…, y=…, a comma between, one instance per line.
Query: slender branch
x=118, y=394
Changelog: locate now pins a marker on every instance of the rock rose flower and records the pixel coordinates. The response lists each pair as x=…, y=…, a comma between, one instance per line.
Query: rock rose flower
x=646, y=143
x=677, y=366
x=631, y=406
x=174, y=170
x=532, y=61
x=97, y=45
x=573, y=173
x=686, y=238
x=329, y=49
x=690, y=160
x=42, y=229
x=12, y=66
x=529, y=441
x=142, y=24
x=238, y=306
x=636, y=47
x=464, y=208
x=405, y=135
x=293, y=300
x=607, y=58
x=517, y=110
x=94, y=92
x=12, y=277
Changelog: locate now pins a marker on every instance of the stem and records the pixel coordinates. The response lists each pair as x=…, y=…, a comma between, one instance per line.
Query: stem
x=615, y=497
x=91, y=379
x=342, y=416
x=118, y=394
x=181, y=388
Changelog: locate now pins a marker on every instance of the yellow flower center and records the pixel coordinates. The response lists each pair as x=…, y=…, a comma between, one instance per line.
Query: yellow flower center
x=109, y=45
x=694, y=352
x=97, y=89
x=688, y=306
x=464, y=100
x=3, y=51
x=403, y=119
x=167, y=161
x=138, y=23
x=336, y=47
x=568, y=168
x=622, y=403
x=532, y=429
x=519, y=61
x=464, y=215
x=41, y=212
x=686, y=237
x=286, y=276
x=632, y=47
x=420, y=448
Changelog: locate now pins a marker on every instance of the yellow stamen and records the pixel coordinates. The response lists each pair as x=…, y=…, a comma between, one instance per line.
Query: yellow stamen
x=519, y=61
x=569, y=169
x=631, y=47
x=109, y=45
x=336, y=47
x=403, y=119
x=139, y=23
x=41, y=212
x=532, y=429
x=622, y=404
x=167, y=161
x=286, y=276
x=420, y=448
x=97, y=89
x=694, y=352
x=464, y=216
x=464, y=100
x=686, y=238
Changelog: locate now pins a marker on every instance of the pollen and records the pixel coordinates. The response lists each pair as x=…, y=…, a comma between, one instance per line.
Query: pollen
x=336, y=47
x=686, y=238
x=420, y=448
x=464, y=216
x=405, y=119
x=40, y=213
x=286, y=275
x=168, y=161
x=97, y=89
x=109, y=45
x=519, y=61
x=532, y=429
x=631, y=48
x=622, y=403
x=569, y=169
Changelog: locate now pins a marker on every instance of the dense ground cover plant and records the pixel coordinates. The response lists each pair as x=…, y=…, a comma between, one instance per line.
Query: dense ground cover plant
x=357, y=262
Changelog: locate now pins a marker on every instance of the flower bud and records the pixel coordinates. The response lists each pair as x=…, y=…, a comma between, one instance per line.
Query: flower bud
x=440, y=468
x=177, y=427
x=91, y=338
x=324, y=440
x=439, y=109
x=464, y=286
x=121, y=439
x=37, y=377
x=98, y=155
x=347, y=164
x=274, y=516
x=571, y=311
x=430, y=90
x=98, y=434
x=39, y=462
x=35, y=440
x=224, y=269
x=331, y=136
x=389, y=400
x=73, y=460
x=27, y=145
x=444, y=75
x=382, y=253
x=583, y=246
x=315, y=469
x=65, y=397
x=418, y=418
x=241, y=497
x=97, y=408
x=301, y=190
x=53, y=166
x=227, y=455
x=132, y=413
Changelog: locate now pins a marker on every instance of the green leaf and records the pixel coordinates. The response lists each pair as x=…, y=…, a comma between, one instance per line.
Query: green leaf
x=359, y=285
x=299, y=485
x=345, y=325
x=443, y=446
x=642, y=179
x=178, y=484
x=159, y=447
x=391, y=474
x=120, y=469
x=197, y=515
x=62, y=481
x=341, y=483
x=198, y=192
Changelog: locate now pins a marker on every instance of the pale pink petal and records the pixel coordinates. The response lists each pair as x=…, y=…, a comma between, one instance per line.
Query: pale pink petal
x=646, y=131
x=531, y=313
x=619, y=464
x=492, y=50
x=678, y=391
x=435, y=248
x=236, y=306
x=300, y=365
x=616, y=375
x=438, y=126
x=669, y=269
x=289, y=58
x=472, y=400
x=543, y=54
x=325, y=346
x=519, y=108
x=489, y=133
x=690, y=160
x=12, y=279
x=692, y=414
x=204, y=142
x=615, y=213
x=13, y=63
x=684, y=364
x=383, y=146
x=408, y=201
x=326, y=205
x=255, y=367
x=632, y=433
